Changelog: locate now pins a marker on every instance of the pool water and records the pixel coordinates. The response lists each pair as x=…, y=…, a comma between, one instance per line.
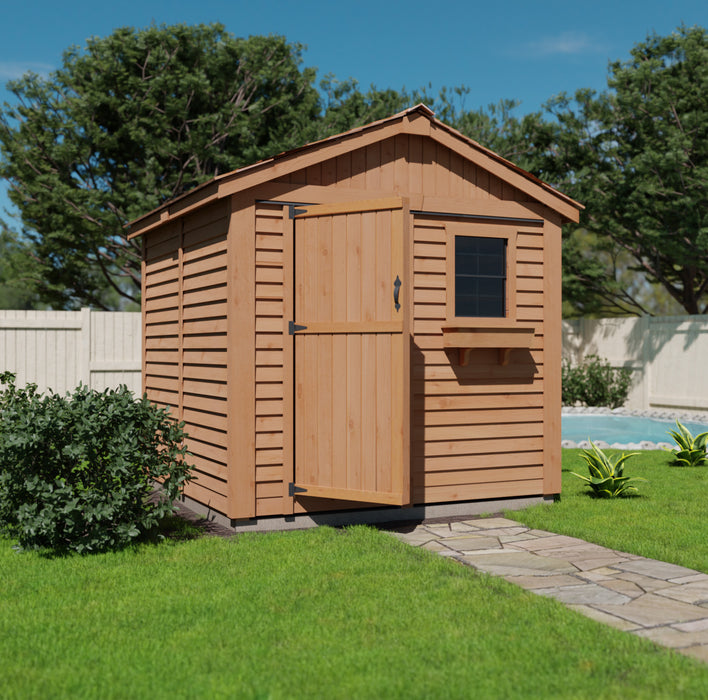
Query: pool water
x=621, y=429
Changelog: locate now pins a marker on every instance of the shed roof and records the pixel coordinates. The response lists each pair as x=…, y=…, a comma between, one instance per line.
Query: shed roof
x=419, y=120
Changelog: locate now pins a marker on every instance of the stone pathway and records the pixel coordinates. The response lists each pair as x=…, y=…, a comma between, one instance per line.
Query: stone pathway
x=663, y=602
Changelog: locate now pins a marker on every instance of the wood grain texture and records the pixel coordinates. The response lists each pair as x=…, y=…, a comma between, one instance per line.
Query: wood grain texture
x=552, y=383
x=262, y=403
x=350, y=370
x=472, y=418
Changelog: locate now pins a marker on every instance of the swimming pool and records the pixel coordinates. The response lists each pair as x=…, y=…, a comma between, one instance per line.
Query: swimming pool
x=621, y=429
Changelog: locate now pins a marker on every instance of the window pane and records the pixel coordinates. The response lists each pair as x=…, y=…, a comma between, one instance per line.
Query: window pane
x=480, y=276
x=491, y=265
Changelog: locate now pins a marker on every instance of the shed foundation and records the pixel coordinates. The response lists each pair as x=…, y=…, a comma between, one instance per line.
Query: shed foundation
x=364, y=517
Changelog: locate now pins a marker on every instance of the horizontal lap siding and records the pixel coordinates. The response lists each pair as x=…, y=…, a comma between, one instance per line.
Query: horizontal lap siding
x=269, y=360
x=477, y=430
x=185, y=339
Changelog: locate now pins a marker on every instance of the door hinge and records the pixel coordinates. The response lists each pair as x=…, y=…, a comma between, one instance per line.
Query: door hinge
x=293, y=328
x=292, y=489
x=294, y=211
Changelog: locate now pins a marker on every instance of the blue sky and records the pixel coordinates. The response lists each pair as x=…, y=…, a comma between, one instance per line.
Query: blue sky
x=518, y=49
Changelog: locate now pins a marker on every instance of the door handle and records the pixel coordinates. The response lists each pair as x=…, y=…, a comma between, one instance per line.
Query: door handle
x=396, y=291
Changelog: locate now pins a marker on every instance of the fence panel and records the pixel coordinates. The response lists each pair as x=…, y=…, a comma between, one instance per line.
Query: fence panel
x=59, y=349
x=666, y=355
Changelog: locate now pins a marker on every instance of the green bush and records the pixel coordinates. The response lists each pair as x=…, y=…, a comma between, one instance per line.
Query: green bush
x=607, y=478
x=77, y=472
x=595, y=383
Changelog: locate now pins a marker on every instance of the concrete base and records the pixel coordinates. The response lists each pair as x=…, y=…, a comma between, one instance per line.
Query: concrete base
x=368, y=516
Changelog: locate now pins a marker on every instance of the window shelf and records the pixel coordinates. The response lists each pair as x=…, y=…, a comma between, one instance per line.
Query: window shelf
x=503, y=338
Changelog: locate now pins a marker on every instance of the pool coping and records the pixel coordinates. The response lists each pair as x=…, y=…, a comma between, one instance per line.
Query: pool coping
x=660, y=414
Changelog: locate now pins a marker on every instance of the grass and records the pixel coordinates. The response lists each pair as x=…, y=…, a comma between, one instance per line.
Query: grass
x=665, y=521
x=322, y=613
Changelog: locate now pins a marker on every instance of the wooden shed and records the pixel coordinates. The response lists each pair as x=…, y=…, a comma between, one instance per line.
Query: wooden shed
x=370, y=320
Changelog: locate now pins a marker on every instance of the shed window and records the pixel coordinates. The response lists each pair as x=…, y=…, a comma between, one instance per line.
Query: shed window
x=480, y=276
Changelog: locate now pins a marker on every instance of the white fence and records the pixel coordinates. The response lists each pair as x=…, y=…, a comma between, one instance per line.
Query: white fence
x=59, y=349
x=668, y=356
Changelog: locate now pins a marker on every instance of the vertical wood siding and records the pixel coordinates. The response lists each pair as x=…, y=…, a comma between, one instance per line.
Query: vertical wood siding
x=351, y=375
x=409, y=165
x=185, y=339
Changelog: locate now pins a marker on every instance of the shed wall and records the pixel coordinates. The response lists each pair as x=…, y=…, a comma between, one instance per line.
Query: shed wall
x=477, y=431
x=270, y=376
x=472, y=437
x=409, y=165
x=185, y=302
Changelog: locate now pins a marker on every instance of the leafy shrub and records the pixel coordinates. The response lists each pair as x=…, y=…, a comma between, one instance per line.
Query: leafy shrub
x=77, y=472
x=691, y=451
x=607, y=477
x=595, y=383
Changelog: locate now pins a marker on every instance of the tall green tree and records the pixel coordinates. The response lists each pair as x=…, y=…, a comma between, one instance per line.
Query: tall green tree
x=130, y=121
x=16, y=289
x=637, y=158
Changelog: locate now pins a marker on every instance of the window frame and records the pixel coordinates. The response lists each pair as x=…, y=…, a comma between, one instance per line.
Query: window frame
x=482, y=230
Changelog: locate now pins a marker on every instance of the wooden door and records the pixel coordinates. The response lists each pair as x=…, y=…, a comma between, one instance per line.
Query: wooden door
x=351, y=346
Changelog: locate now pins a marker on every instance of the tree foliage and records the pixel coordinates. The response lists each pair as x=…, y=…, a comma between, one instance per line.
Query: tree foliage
x=637, y=157
x=16, y=292
x=134, y=119
x=141, y=116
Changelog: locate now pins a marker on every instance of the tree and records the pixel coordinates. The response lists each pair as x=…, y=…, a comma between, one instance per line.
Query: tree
x=346, y=107
x=637, y=158
x=130, y=121
x=16, y=291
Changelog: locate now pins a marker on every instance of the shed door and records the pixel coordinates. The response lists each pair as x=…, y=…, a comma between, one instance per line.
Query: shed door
x=351, y=353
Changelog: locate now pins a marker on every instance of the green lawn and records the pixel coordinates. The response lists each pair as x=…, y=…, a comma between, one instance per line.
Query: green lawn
x=323, y=613
x=666, y=521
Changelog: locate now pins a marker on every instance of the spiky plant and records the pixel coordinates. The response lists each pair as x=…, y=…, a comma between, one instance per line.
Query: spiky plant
x=607, y=477
x=691, y=451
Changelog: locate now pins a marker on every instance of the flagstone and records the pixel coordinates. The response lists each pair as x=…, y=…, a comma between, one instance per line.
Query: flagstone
x=490, y=523
x=645, y=582
x=650, y=610
x=656, y=569
x=693, y=626
x=504, y=531
x=533, y=582
x=595, y=562
x=604, y=617
x=510, y=563
x=584, y=594
x=437, y=546
x=690, y=579
x=626, y=587
x=439, y=530
x=556, y=542
x=514, y=538
x=696, y=593
x=670, y=637
x=466, y=543
x=543, y=533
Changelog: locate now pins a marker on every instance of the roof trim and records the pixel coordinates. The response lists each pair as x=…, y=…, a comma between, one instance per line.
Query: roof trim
x=407, y=121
